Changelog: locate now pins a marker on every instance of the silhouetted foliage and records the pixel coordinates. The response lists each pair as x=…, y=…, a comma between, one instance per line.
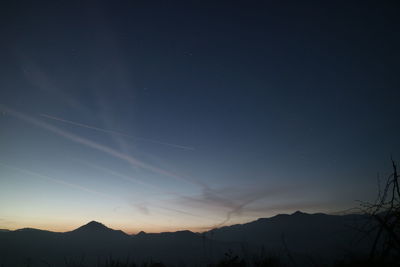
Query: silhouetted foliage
x=384, y=225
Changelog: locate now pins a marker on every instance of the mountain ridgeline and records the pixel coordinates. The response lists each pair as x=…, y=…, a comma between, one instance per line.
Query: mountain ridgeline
x=300, y=235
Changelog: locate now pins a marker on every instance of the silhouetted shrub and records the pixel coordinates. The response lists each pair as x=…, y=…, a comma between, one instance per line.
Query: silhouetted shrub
x=384, y=225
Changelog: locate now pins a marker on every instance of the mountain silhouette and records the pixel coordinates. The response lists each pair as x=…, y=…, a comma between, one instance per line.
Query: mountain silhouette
x=304, y=235
x=95, y=229
x=327, y=236
x=92, y=226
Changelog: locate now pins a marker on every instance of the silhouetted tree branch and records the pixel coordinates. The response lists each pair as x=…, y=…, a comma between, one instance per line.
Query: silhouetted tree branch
x=385, y=219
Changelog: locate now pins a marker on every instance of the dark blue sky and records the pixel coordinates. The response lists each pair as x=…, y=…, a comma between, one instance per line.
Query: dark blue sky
x=219, y=111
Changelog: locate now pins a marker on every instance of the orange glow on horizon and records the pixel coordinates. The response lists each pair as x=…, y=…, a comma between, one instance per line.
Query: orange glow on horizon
x=64, y=227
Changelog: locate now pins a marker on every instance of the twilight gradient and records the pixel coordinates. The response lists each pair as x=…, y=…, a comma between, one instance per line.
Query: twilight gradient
x=162, y=116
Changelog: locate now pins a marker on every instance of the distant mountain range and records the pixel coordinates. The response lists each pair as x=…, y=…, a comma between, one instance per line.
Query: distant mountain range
x=300, y=235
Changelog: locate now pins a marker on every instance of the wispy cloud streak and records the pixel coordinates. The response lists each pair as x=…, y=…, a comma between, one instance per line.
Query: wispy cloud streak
x=116, y=132
x=209, y=197
x=130, y=178
x=58, y=181
x=102, y=148
x=230, y=201
x=38, y=78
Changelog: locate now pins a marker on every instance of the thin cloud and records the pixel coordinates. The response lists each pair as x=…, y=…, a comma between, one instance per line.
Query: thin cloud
x=181, y=212
x=142, y=208
x=112, y=152
x=38, y=78
x=209, y=197
x=129, y=178
x=116, y=132
x=231, y=202
x=58, y=181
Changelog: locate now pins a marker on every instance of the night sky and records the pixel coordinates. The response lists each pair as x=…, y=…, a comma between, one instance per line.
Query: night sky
x=160, y=116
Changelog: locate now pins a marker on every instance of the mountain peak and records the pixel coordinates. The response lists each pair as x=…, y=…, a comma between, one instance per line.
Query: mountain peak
x=93, y=226
x=299, y=213
x=95, y=229
x=141, y=233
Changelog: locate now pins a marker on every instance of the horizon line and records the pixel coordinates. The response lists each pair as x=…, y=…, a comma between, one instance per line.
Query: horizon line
x=206, y=229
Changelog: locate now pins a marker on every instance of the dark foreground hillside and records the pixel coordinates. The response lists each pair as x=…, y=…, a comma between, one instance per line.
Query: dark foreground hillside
x=298, y=239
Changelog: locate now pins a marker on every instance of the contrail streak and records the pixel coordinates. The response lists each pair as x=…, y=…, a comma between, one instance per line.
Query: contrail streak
x=35, y=174
x=159, y=189
x=115, y=132
x=102, y=148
